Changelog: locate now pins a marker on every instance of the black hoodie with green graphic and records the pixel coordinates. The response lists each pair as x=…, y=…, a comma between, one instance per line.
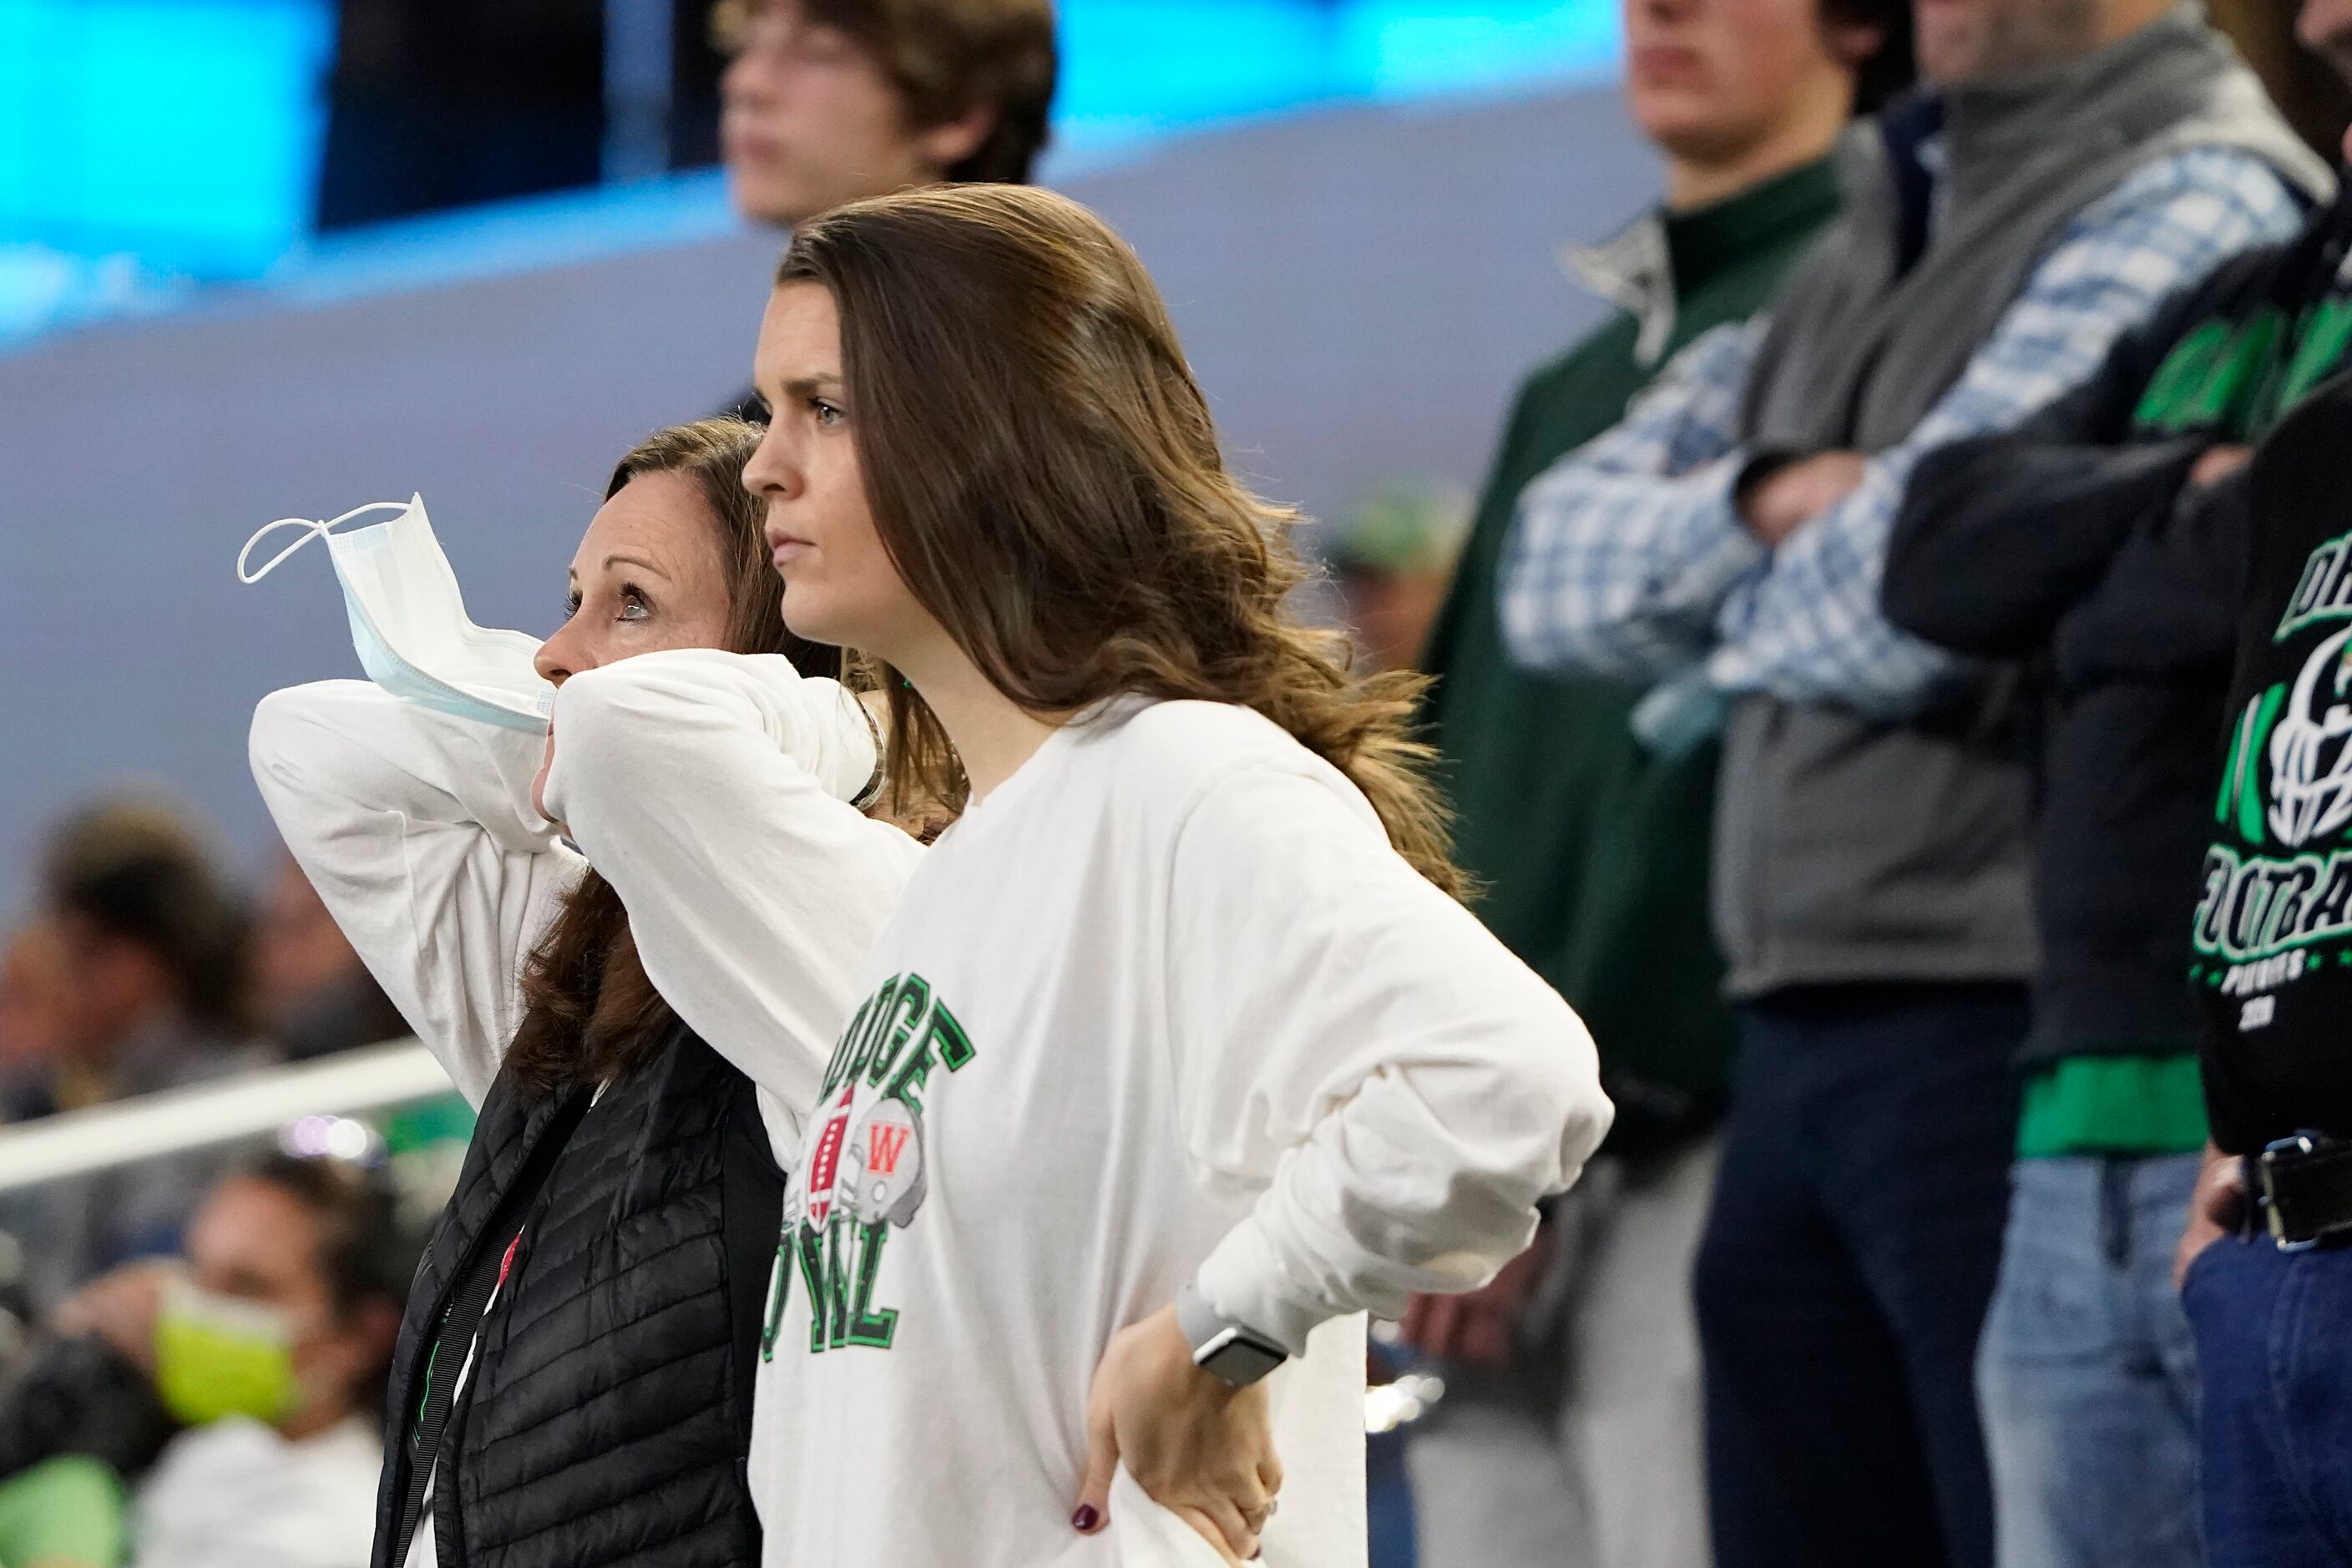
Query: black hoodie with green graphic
x=2077, y=546
x=2274, y=926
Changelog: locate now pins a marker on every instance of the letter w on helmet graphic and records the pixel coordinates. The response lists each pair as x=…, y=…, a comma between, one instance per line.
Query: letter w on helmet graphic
x=884, y=1178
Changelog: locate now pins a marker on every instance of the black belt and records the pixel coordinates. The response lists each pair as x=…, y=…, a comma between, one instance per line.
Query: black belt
x=2303, y=1185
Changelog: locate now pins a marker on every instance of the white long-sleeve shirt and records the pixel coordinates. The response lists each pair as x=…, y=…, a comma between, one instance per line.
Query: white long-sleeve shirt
x=710, y=790
x=1165, y=1004
x=419, y=832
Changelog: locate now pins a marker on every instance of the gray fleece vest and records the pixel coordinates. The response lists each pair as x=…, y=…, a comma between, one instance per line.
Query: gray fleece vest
x=1850, y=850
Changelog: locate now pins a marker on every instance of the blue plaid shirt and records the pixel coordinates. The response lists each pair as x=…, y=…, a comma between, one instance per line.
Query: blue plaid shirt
x=1627, y=558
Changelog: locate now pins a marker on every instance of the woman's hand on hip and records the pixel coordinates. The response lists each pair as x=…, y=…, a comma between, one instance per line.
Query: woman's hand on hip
x=1197, y=1445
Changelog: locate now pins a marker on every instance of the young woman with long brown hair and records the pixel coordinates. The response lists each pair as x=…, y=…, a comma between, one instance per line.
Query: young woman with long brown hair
x=1176, y=1056
x=574, y=1378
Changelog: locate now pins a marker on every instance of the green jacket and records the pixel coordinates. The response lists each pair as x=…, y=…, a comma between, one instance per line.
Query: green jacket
x=1593, y=853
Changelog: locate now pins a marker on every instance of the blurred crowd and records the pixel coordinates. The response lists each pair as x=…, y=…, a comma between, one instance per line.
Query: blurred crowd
x=195, y=1342
x=143, y=965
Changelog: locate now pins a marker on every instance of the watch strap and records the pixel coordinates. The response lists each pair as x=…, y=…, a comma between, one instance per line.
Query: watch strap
x=1234, y=1352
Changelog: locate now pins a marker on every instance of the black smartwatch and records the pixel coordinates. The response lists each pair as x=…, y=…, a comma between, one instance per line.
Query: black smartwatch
x=1234, y=1352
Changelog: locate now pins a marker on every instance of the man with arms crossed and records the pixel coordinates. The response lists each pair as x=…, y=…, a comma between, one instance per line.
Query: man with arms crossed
x=1584, y=1446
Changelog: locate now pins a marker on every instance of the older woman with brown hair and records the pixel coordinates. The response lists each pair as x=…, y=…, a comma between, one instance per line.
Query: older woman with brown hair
x=574, y=1378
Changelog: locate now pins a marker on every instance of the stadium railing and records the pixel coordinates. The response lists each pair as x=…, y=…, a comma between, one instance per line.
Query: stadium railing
x=77, y=1142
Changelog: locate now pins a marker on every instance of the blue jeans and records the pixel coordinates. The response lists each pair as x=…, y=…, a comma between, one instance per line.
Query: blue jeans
x=2087, y=1372
x=2274, y=1341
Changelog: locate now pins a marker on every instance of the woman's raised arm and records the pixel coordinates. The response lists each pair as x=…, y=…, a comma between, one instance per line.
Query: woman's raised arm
x=419, y=832
x=711, y=790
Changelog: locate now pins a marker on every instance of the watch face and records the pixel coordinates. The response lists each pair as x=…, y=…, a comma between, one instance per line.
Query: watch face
x=1240, y=1361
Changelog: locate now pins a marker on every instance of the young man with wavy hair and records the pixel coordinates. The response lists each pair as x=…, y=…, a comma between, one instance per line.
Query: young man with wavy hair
x=829, y=101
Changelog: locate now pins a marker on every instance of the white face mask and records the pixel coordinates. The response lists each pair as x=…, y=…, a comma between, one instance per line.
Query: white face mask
x=408, y=619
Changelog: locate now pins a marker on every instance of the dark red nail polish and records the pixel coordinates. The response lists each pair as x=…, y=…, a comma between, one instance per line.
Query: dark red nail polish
x=1086, y=1518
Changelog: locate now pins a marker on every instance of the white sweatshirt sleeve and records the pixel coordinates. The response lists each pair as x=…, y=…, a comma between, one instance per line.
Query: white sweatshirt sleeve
x=711, y=790
x=1355, y=1042
x=418, y=831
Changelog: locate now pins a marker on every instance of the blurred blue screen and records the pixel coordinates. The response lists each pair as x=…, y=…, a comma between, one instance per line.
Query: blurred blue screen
x=185, y=132
x=149, y=143
x=1138, y=69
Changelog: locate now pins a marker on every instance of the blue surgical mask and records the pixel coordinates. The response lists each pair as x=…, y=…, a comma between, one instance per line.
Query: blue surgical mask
x=409, y=622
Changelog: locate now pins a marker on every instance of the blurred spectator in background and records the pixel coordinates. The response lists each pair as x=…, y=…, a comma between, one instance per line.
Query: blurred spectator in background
x=2313, y=96
x=33, y=1000
x=223, y=1412
x=313, y=994
x=444, y=103
x=154, y=946
x=2070, y=168
x=2106, y=541
x=830, y=100
x=1392, y=559
x=1593, y=843
x=827, y=101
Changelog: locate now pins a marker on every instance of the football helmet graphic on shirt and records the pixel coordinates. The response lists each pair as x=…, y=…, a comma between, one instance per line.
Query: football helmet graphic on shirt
x=874, y=1174
x=2311, y=749
x=881, y=1176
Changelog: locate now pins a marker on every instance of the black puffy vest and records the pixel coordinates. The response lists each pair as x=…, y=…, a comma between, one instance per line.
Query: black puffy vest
x=609, y=1411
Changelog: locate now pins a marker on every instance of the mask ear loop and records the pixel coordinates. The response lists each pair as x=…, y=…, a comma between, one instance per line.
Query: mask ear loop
x=316, y=531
